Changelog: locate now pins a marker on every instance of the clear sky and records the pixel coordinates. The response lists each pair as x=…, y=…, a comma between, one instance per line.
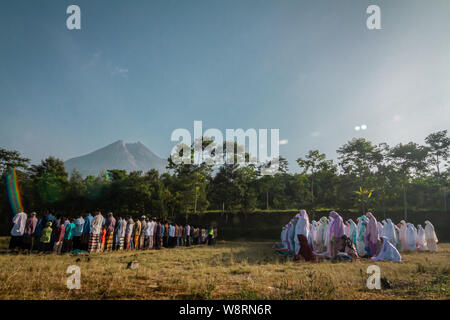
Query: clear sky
x=138, y=69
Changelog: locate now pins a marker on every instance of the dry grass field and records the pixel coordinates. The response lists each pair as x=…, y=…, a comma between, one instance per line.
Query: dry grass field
x=230, y=270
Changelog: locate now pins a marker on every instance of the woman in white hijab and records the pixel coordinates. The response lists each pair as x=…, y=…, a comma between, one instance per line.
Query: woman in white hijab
x=302, y=227
x=430, y=237
x=411, y=237
x=320, y=238
x=384, y=225
x=389, y=232
x=403, y=228
x=313, y=234
x=421, y=242
x=387, y=252
x=327, y=235
x=380, y=229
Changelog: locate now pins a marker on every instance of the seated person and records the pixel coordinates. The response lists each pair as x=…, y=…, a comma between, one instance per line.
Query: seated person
x=305, y=249
x=388, y=252
x=348, y=247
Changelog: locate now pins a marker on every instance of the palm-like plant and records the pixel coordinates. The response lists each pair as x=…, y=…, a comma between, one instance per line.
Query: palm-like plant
x=364, y=196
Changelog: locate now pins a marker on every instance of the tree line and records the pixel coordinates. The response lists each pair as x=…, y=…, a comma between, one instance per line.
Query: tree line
x=366, y=177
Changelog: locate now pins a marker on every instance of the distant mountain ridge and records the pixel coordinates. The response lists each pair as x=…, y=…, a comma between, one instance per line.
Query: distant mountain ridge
x=117, y=155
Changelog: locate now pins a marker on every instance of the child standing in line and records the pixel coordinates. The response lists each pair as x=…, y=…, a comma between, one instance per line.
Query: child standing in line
x=46, y=235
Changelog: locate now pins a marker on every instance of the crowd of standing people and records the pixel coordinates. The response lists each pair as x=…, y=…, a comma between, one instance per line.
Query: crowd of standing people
x=95, y=233
x=332, y=238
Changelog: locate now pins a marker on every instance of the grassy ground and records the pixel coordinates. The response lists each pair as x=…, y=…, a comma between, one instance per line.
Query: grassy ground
x=231, y=270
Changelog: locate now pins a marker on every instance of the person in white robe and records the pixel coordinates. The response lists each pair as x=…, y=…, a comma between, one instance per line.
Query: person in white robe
x=320, y=237
x=387, y=252
x=411, y=237
x=430, y=237
x=421, y=242
x=389, y=232
x=290, y=236
x=403, y=228
x=380, y=229
x=313, y=234
x=302, y=227
x=327, y=235
x=352, y=231
x=384, y=222
x=17, y=231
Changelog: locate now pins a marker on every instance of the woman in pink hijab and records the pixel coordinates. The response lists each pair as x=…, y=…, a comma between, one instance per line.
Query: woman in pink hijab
x=336, y=232
x=372, y=234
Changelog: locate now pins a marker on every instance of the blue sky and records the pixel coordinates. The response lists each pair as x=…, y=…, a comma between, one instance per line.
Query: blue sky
x=137, y=70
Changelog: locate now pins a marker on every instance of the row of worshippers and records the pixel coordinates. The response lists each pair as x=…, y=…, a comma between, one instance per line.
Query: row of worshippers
x=94, y=233
x=331, y=238
x=403, y=236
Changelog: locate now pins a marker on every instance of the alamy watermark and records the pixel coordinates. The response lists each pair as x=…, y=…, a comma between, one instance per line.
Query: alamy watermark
x=208, y=147
x=374, y=280
x=73, y=22
x=74, y=280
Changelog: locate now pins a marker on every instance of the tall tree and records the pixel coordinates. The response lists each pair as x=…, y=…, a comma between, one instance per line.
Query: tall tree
x=409, y=159
x=439, y=144
x=192, y=177
x=51, y=164
x=12, y=159
x=313, y=163
x=50, y=180
x=359, y=157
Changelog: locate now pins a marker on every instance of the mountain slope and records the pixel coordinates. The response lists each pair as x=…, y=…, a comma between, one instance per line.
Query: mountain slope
x=118, y=155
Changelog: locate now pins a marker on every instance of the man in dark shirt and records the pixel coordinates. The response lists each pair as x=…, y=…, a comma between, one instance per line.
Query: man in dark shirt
x=157, y=234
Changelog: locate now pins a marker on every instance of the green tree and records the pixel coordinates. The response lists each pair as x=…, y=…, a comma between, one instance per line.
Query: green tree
x=439, y=151
x=50, y=180
x=312, y=164
x=192, y=178
x=409, y=160
x=223, y=191
x=244, y=181
x=359, y=157
x=12, y=159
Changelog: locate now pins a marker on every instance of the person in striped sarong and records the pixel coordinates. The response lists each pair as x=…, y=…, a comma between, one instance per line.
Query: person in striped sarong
x=122, y=234
x=86, y=231
x=147, y=237
x=110, y=224
x=121, y=243
x=93, y=244
x=96, y=228
x=119, y=233
x=128, y=232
